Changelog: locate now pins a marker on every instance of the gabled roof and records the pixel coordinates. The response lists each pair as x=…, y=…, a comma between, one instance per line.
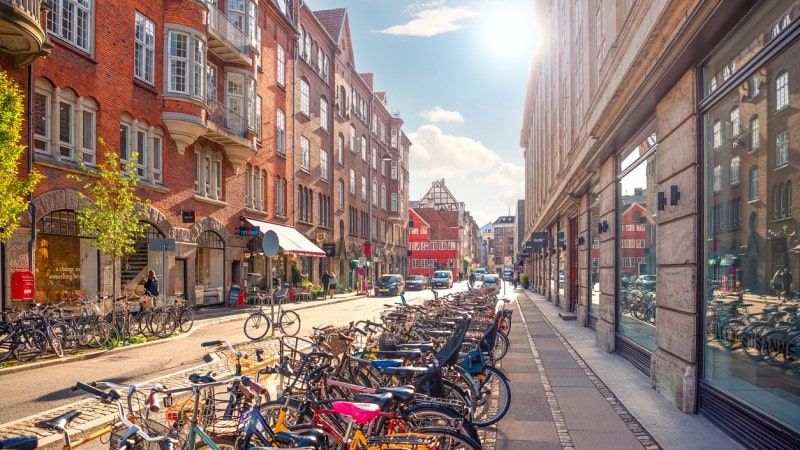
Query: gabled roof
x=440, y=229
x=504, y=220
x=333, y=21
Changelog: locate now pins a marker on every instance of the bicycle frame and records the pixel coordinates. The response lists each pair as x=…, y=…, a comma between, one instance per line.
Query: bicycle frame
x=69, y=445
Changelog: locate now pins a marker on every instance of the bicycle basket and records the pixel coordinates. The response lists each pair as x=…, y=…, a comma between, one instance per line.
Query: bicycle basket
x=152, y=428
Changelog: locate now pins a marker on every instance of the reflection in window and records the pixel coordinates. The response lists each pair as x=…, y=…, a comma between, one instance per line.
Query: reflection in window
x=735, y=175
x=754, y=183
x=755, y=142
x=782, y=148
x=782, y=91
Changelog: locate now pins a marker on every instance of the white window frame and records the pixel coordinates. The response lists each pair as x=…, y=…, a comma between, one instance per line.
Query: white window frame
x=323, y=113
x=212, y=81
x=393, y=202
x=236, y=14
x=755, y=130
x=782, y=91
x=148, y=142
x=352, y=182
x=363, y=148
x=323, y=164
x=280, y=131
x=736, y=122
x=281, y=66
x=753, y=186
x=78, y=15
x=735, y=175
x=340, y=149
x=782, y=148
x=79, y=131
x=208, y=173
x=185, y=66
x=383, y=196
x=305, y=93
x=717, y=134
x=280, y=197
x=144, y=48
x=374, y=193
x=305, y=154
x=717, y=178
x=353, y=139
x=363, y=188
x=340, y=194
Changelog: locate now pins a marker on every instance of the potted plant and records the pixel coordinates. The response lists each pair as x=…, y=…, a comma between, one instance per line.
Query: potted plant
x=524, y=280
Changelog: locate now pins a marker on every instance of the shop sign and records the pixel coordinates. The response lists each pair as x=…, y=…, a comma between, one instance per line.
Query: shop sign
x=329, y=248
x=187, y=216
x=539, y=240
x=248, y=231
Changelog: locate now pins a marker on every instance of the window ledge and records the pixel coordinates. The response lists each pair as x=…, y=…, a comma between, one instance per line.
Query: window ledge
x=786, y=164
x=752, y=201
x=256, y=211
x=212, y=201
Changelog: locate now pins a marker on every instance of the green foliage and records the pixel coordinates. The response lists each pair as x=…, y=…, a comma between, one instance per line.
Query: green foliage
x=523, y=278
x=13, y=200
x=111, y=212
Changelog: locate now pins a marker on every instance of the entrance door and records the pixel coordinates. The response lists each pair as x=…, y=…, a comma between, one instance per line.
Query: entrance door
x=574, y=286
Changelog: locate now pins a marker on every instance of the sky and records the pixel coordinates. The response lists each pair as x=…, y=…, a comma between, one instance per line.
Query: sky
x=456, y=71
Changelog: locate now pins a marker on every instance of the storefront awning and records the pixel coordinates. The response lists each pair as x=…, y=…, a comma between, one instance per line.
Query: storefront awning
x=289, y=239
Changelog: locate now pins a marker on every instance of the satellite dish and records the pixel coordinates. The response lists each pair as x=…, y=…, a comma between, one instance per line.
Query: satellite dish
x=270, y=243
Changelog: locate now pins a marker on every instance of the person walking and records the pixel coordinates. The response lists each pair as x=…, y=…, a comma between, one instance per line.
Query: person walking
x=777, y=282
x=787, y=283
x=326, y=279
x=150, y=289
x=471, y=279
x=332, y=283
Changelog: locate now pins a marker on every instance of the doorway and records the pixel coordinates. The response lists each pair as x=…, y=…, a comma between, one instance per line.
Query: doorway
x=574, y=287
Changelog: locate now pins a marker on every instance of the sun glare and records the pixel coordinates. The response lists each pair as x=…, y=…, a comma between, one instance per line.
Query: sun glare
x=510, y=34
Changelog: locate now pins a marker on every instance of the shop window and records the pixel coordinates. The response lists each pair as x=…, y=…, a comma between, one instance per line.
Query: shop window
x=209, y=268
x=748, y=242
x=65, y=261
x=636, y=307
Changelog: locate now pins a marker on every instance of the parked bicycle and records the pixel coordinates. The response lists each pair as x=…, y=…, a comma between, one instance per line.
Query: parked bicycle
x=258, y=323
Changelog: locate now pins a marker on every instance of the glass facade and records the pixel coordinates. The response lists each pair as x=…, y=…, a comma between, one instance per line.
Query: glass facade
x=636, y=244
x=594, y=255
x=209, y=268
x=752, y=246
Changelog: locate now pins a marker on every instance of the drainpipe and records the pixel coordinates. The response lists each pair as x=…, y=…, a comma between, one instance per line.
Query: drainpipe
x=32, y=206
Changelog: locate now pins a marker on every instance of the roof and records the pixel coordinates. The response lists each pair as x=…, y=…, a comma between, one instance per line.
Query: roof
x=440, y=230
x=333, y=21
x=504, y=219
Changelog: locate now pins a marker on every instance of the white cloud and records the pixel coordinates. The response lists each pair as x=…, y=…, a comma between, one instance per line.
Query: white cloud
x=438, y=114
x=475, y=174
x=430, y=22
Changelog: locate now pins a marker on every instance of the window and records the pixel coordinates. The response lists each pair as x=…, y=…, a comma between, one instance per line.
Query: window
x=280, y=131
x=782, y=91
x=144, y=48
x=305, y=107
x=340, y=149
x=212, y=95
x=323, y=113
x=735, y=176
x=352, y=182
x=280, y=197
x=394, y=138
x=393, y=204
x=374, y=157
x=340, y=194
x=305, y=153
x=782, y=148
x=185, y=65
x=342, y=105
x=72, y=21
x=374, y=193
x=394, y=170
x=717, y=178
x=736, y=122
x=257, y=117
x=281, y=66
x=752, y=86
x=363, y=188
x=323, y=164
x=301, y=38
x=65, y=125
x=717, y=134
x=208, y=173
x=363, y=148
x=353, y=139
x=755, y=142
x=236, y=14
x=754, y=183
x=383, y=197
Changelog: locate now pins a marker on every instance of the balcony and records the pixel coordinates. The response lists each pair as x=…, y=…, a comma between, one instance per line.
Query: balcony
x=230, y=129
x=22, y=34
x=226, y=40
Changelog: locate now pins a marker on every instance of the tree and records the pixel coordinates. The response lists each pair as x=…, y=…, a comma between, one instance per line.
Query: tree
x=13, y=189
x=111, y=212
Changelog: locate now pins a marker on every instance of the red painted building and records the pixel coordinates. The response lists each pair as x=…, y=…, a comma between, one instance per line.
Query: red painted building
x=634, y=241
x=433, y=242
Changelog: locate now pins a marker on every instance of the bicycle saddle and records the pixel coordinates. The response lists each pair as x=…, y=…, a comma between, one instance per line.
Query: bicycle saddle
x=362, y=413
x=306, y=438
x=400, y=394
x=59, y=422
x=200, y=379
x=382, y=400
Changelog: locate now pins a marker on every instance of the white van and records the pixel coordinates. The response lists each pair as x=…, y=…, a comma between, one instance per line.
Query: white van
x=442, y=279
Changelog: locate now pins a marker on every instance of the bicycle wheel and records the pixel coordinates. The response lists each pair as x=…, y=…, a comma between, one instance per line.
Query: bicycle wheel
x=430, y=415
x=6, y=342
x=294, y=413
x=161, y=324
x=256, y=326
x=500, y=347
x=186, y=320
x=105, y=335
x=494, y=398
x=54, y=342
x=29, y=344
x=289, y=323
x=449, y=439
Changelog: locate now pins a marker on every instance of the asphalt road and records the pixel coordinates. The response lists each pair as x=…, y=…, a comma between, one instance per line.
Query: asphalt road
x=29, y=392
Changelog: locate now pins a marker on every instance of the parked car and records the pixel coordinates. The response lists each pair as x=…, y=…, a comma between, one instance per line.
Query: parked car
x=490, y=283
x=418, y=283
x=479, y=273
x=508, y=275
x=646, y=282
x=442, y=279
x=391, y=284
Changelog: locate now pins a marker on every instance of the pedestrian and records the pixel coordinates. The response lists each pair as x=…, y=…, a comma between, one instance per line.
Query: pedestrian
x=471, y=279
x=777, y=282
x=332, y=283
x=150, y=289
x=326, y=279
x=787, y=283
